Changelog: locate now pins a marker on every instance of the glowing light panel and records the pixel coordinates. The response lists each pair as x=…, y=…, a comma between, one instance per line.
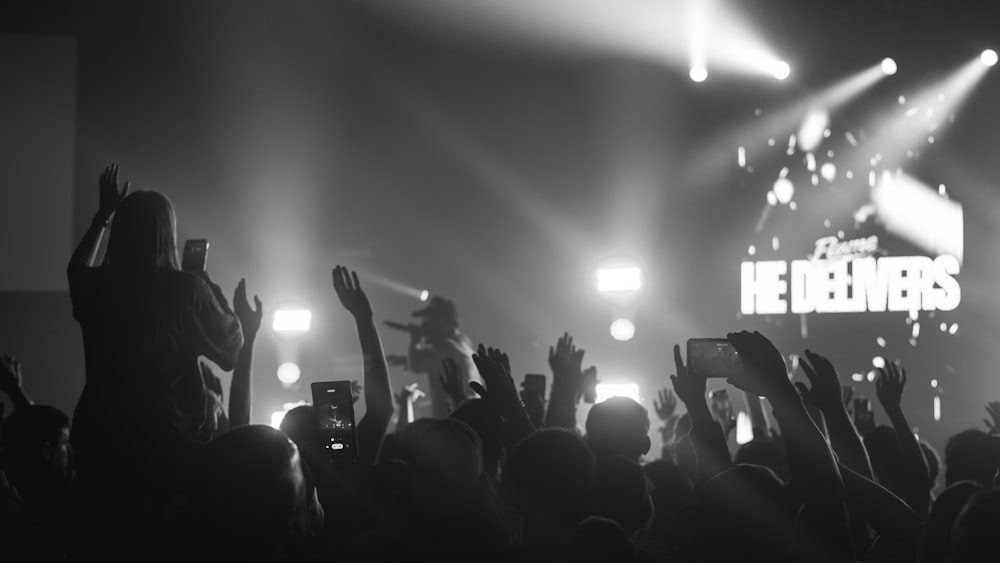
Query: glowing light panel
x=606, y=391
x=627, y=278
x=292, y=320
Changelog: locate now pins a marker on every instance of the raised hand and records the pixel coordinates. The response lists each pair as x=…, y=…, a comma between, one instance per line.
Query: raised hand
x=10, y=375
x=666, y=406
x=826, y=391
x=764, y=371
x=846, y=394
x=250, y=318
x=452, y=381
x=889, y=385
x=566, y=362
x=351, y=296
x=111, y=195
x=993, y=422
x=409, y=394
x=689, y=388
x=500, y=391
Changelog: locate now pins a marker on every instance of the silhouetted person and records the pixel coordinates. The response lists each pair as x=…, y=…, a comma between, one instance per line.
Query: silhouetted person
x=963, y=463
x=145, y=323
x=618, y=426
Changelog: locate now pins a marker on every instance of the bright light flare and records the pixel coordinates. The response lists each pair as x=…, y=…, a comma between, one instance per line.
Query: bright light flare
x=781, y=70
x=606, y=391
x=618, y=279
x=278, y=416
x=889, y=66
x=989, y=57
x=744, y=428
x=292, y=320
x=916, y=212
x=622, y=330
x=699, y=73
x=289, y=373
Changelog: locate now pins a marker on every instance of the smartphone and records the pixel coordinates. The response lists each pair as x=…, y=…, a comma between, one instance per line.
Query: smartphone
x=195, y=258
x=534, y=385
x=713, y=357
x=333, y=402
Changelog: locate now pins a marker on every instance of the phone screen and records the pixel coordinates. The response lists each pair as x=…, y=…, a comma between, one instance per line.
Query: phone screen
x=713, y=357
x=334, y=405
x=195, y=257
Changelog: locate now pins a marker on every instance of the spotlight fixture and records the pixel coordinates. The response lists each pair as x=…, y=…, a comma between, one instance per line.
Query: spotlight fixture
x=989, y=57
x=699, y=73
x=622, y=330
x=781, y=70
x=889, y=66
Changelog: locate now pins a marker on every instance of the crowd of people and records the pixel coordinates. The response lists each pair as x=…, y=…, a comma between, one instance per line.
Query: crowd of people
x=155, y=464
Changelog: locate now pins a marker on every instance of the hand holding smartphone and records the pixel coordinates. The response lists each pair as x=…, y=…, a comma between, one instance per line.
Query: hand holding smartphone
x=713, y=357
x=333, y=402
x=195, y=257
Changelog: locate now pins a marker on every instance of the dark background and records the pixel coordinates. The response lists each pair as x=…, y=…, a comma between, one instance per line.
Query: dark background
x=297, y=135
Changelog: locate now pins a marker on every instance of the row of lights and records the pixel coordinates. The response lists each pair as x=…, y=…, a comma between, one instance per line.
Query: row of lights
x=781, y=70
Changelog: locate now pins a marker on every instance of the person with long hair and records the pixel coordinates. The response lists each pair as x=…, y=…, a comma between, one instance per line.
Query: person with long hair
x=145, y=323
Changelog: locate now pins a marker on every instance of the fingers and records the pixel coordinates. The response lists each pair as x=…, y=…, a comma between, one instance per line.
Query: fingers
x=478, y=388
x=125, y=190
x=679, y=362
x=808, y=369
x=803, y=390
x=357, y=283
x=258, y=308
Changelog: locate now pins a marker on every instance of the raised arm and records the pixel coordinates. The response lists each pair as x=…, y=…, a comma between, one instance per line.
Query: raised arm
x=378, y=392
x=10, y=382
x=240, y=388
x=566, y=361
x=405, y=399
x=823, y=533
x=500, y=393
x=707, y=435
x=110, y=196
x=826, y=394
x=889, y=388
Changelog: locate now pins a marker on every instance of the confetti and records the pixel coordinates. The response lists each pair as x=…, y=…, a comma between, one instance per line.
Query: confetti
x=858, y=377
x=878, y=362
x=880, y=341
x=849, y=175
x=783, y=173
x=840, y=234
x=741, y=156
x=775, y=245
x=911, y=112
x=770, y=142
x=815, y=180
x=941, y=189
x=752, y=250
x=758, y=112
x=871, y=376
x=792, y=205
x=851, y=139
x=826, y=223
x=828, y=171
x=953, y=329
x=916, y=330
x=930, y=139
x=810, y=162
x=902, y=100
x=771, y=198
x=933, y=383
x=944, y=327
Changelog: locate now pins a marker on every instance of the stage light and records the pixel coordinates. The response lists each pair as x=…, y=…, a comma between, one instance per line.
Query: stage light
x=783, y=190
x=292, y=320
x=989, y=57
x=289, y=373
x=781, y=70
x=606, y=391
x=622, y=330
x=889, y=66
x=699, y=73
x=624, y=278
x=425, y=295
x=916, y=213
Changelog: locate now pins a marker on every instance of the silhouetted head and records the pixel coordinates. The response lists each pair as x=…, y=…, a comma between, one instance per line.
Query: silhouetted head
x=887, y=459
x=621, y=493
x=301, y=426
x=935, y=545
x=744, y=513
x=477, y=414
x=551, y=476
x=962, y=461
x=600, y=539
x=36, y=450
x=406, y=439
x=446, y=468
x=672, y=489
x=248, y=497
x=618, y=426
x=975, y=537
x=143, y=237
